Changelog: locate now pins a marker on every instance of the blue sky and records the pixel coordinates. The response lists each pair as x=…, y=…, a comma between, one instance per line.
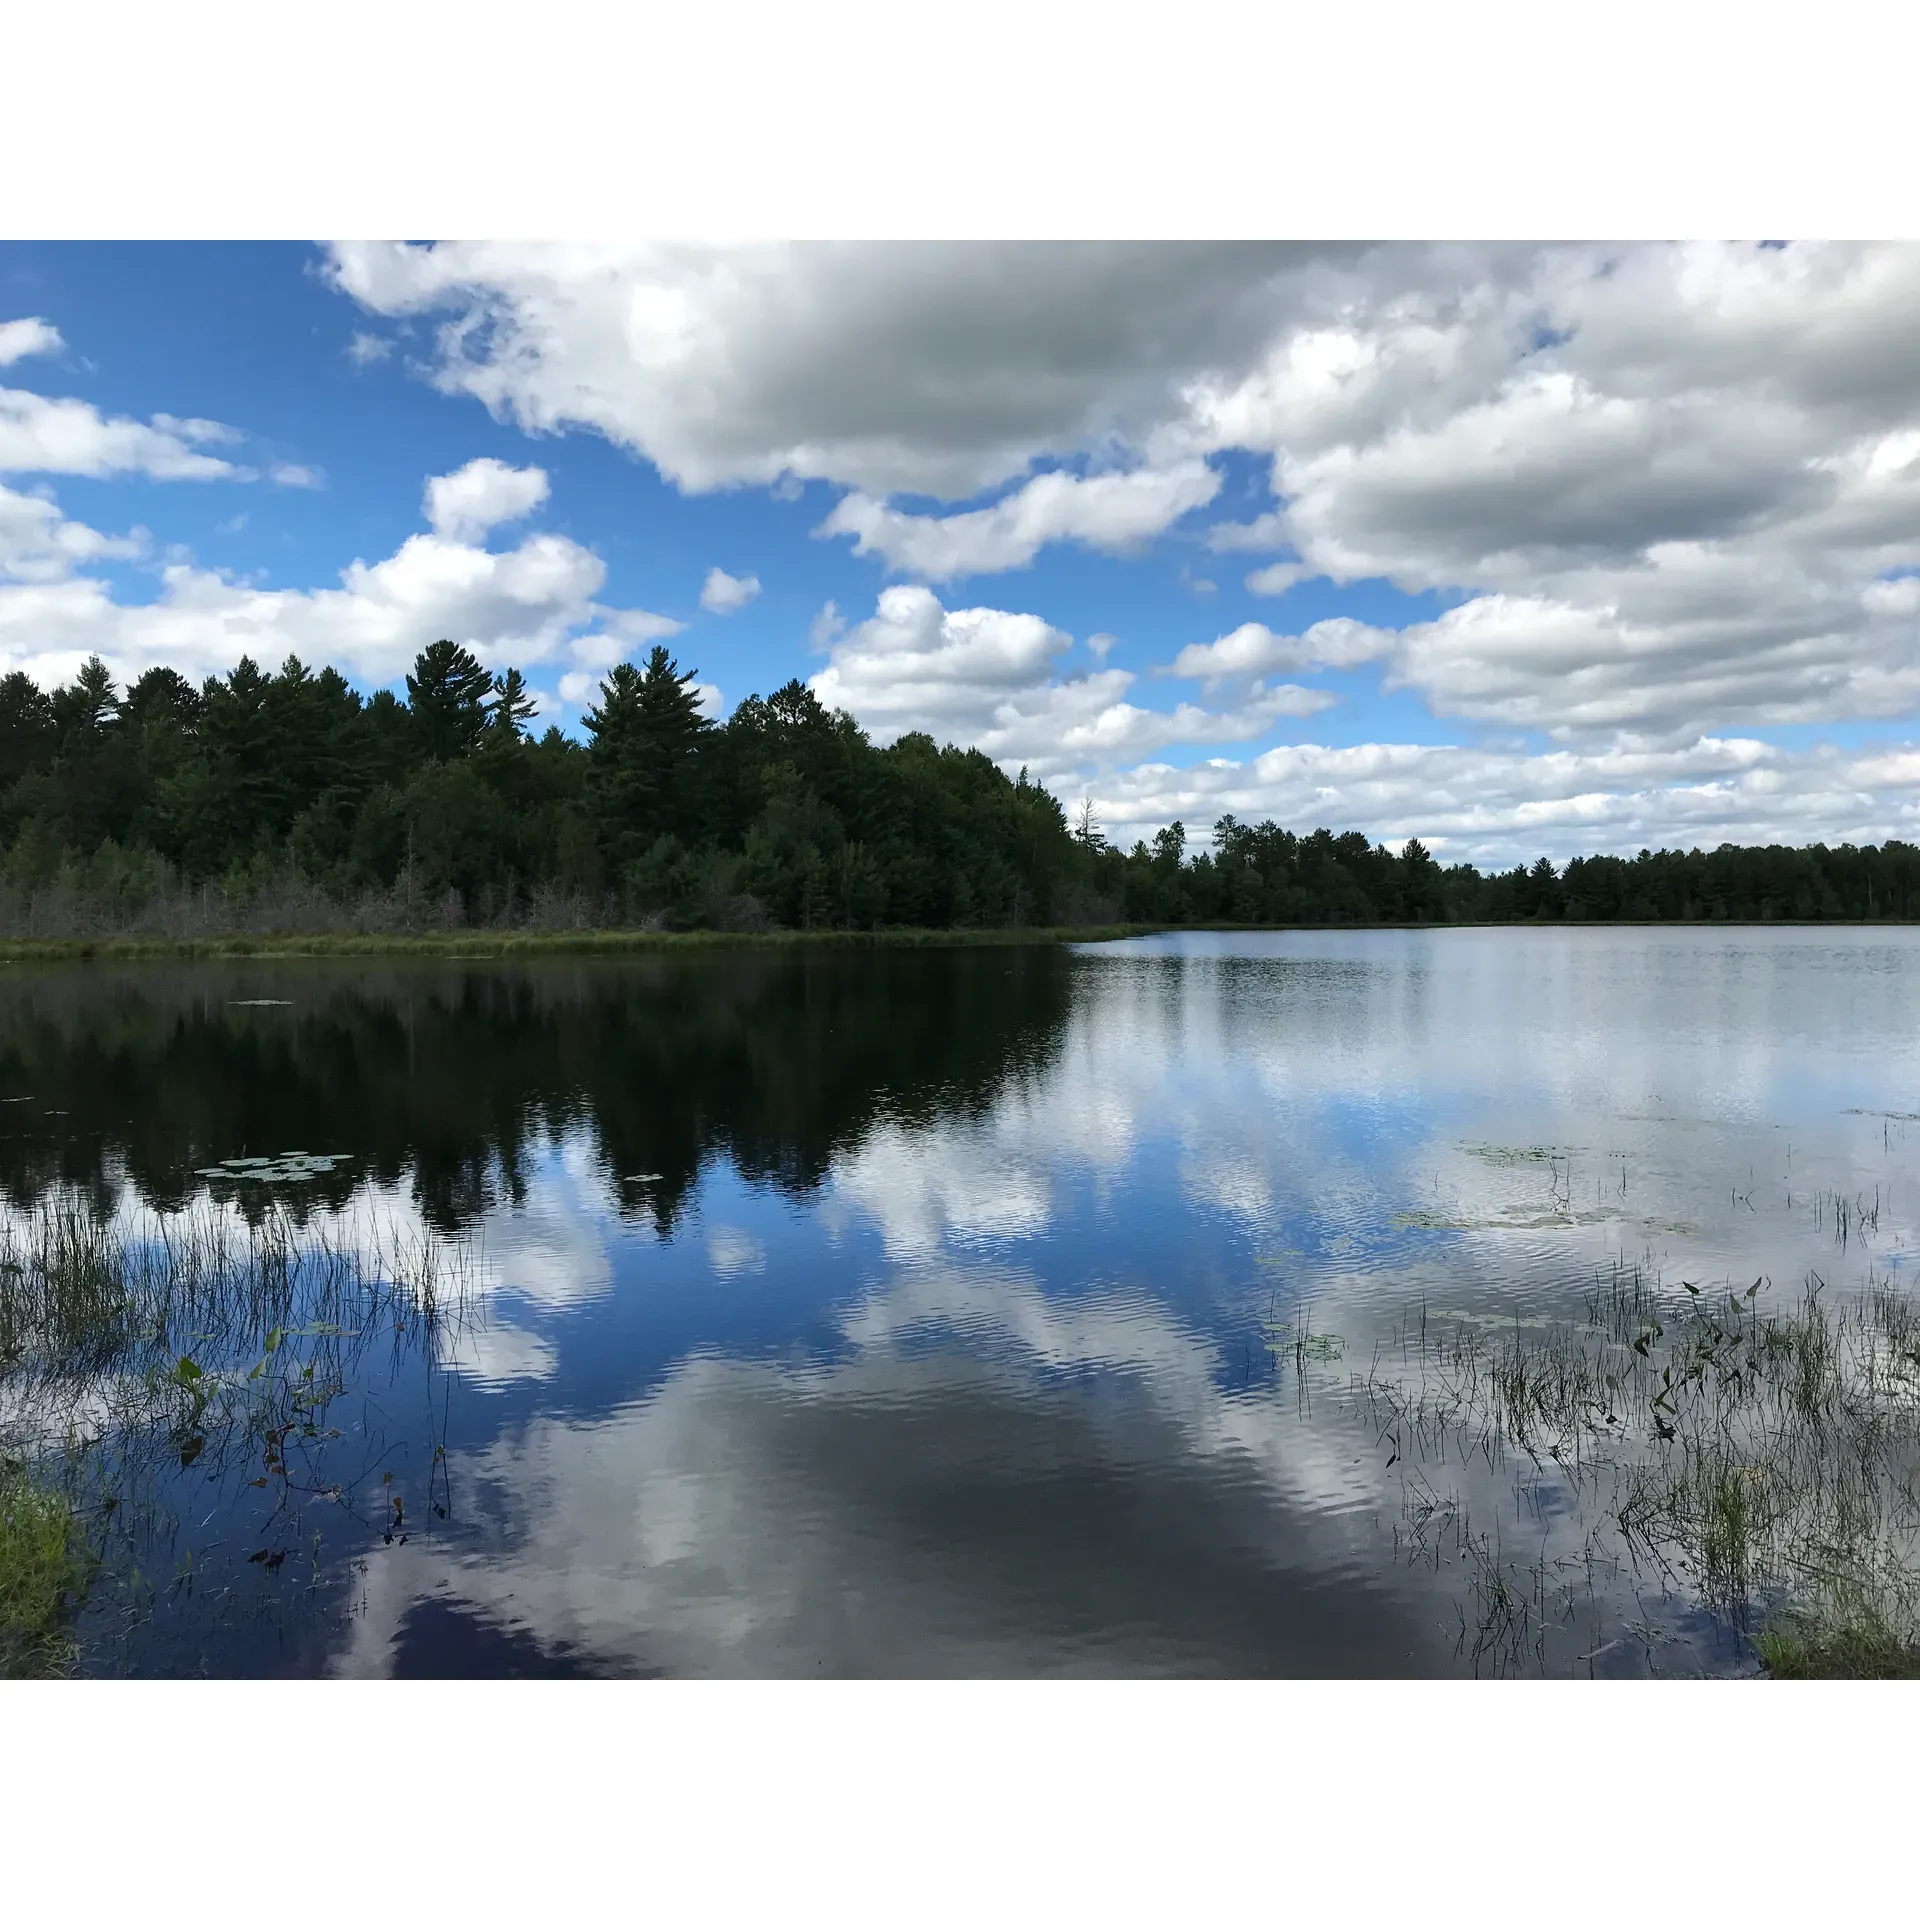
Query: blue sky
x=1520, y=549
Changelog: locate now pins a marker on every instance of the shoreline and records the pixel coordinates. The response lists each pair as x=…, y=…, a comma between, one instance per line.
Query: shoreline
x=481, y=945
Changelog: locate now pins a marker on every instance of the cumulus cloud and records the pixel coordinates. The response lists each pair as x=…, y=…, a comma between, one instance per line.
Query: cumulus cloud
x=1687, y=466
x=366, y=349
x=1113, y=512
x=828, y=625
x=516, y=608
x=723, y=593
x=38, y=435
x=1282, y=577
x=987, y=677
x=1674, y=479
x=640, y=627
x=1496, y=806
x=18, y=338
x=1253, y=648
x=619, y=636
x=938, y=369
x=1250, y=536
x=466, y=504
x=38, y=543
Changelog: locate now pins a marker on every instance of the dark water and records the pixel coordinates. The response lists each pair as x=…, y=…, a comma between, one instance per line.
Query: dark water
x=912, y=1313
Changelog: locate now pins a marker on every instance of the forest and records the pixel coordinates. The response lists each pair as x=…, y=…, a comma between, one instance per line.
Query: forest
x=291, y=800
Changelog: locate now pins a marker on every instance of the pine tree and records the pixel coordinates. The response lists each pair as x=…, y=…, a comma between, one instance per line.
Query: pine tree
x=87, y=707
x=645, y=733
x=163, y=696
x=513, y=706
x=447, y=692
x=26, y=728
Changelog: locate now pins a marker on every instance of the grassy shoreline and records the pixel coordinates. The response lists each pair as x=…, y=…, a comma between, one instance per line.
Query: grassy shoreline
x=479, y=944
x=513, y=945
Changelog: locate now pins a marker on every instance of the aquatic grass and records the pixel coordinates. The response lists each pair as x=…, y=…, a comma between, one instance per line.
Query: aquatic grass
x=1761, y=1463
x=44, y=1571
x=1843, y=1637
x=211, y=1343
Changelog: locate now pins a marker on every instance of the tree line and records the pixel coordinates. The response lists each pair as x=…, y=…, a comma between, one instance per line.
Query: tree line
x=447, y=805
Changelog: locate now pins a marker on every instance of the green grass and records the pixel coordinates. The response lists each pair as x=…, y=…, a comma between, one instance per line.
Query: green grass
x=134, y=1350
x=502, y=946
x=1762, y=1462
x=1853, y=1644
x=44, y=1572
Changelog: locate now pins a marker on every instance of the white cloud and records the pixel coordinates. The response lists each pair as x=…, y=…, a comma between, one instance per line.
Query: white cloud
x=366, y=349
x=723, y=593
x=19, y=338
x=1253, y=648
x=1659, y=492
x=1698, y=458
x=1112, y=512
x=1252, y=536
x=38, y=435
x=1675, y=510
x=599, y=651
x=1498, y=806
x=640, y=627
x=986, y=677
x=827, y=627
x=466, y=504
x=515, y=608
x=38, y=544
x=619, y=636
x=288, y=473
x=200, y=433
x=1282, y=577
x=928, y=368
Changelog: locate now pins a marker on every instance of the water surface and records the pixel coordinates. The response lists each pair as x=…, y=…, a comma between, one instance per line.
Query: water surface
x=917, y=1313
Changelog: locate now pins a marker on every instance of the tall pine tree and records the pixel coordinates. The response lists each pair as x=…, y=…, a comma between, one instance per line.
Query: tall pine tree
x=646, y=734
x=447, y=691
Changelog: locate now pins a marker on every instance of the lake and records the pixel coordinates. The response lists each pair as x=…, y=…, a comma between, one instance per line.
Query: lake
x=989, y=1311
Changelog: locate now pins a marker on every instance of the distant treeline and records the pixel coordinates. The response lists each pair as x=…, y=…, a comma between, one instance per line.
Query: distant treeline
x=289, y=799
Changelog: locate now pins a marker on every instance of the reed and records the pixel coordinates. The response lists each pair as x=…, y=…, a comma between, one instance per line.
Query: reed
x=210, y=1342
x=1762, y=1463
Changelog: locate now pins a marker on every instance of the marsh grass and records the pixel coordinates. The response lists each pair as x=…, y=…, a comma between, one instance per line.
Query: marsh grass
x=1760, y=1463
x=210, y=1345
x=44, y=1574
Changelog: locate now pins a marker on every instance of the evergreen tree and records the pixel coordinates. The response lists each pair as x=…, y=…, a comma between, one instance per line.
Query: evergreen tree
x=88, y=707
x=26, y=728
x=447, y=692
x=513, y=706
x=646, y=732
x=162, y=696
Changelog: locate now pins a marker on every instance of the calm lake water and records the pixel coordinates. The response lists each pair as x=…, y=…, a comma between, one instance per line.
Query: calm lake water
x=992, y=1312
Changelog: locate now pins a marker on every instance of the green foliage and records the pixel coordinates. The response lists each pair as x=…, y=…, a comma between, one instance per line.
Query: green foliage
x=1852, y=1644
x=445, y=810
x=646, y=731
x=43, y=1574
x=447, y=693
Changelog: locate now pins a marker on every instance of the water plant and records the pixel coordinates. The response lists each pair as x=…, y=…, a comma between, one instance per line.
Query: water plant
x=210, y=1346
x=44, y=1572
x=1759, y=1464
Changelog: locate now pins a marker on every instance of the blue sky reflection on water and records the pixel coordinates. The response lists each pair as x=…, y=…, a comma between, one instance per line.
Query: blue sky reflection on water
x=987, y=1392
